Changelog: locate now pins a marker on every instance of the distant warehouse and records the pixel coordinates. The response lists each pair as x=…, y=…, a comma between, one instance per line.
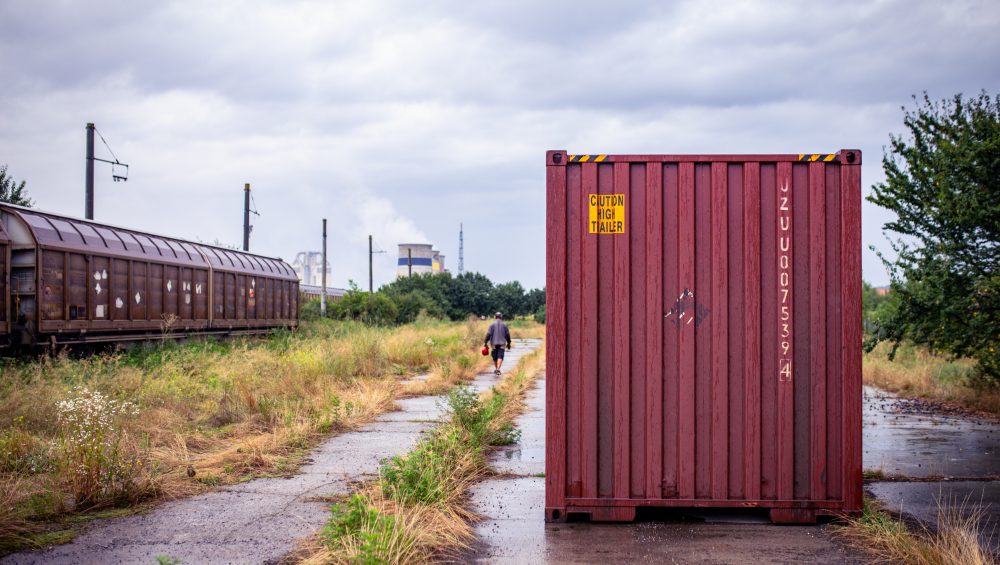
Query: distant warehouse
x=418, y=258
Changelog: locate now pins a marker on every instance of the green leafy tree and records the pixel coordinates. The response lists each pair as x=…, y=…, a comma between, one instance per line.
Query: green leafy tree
x=13, y=192
x=535, y=299
x=412, y=303
x=509, y=298
x=943, y=184
x=870, y=302
x=374, y=309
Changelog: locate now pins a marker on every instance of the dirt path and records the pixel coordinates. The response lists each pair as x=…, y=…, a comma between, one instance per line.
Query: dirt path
x=513, y=531
x=258, y=521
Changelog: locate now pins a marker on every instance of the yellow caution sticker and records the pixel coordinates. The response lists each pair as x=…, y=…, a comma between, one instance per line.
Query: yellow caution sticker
x=607, y=213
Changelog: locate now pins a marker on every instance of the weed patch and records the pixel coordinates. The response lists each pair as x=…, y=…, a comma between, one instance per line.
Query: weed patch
x=888, y=540
x=414, y=510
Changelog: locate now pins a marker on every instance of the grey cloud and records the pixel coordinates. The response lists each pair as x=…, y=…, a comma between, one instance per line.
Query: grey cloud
x=444, y=110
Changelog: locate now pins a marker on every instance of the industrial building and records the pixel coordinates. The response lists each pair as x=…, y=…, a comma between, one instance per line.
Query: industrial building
x=308, y=266
x=418, y=258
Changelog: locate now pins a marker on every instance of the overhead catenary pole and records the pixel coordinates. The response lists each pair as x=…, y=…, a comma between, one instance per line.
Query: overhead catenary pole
x=246, y=217
x=461, y=249
x=371, y=286
x=322, y=295
x=89, y=194
x=409, y=262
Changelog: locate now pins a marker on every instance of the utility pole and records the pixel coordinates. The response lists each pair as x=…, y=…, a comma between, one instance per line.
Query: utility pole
x=89, y=198
x=409, y=262
x=322, y=296
x=461, y=249
x=246, y=217
x=371, y=286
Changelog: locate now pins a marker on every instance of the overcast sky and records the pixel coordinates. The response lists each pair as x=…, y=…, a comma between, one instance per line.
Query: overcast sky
x=404, y=119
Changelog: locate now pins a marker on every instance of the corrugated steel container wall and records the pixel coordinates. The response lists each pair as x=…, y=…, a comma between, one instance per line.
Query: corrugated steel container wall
x=4, y=276
x=709, y=355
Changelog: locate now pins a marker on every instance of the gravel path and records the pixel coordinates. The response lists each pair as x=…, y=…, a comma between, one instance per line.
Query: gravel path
x=258, y=521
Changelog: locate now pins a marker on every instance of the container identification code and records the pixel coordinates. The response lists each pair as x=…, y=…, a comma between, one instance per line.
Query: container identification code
x=607, y=213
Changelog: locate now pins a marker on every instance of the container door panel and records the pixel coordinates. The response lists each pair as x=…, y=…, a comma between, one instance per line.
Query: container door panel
x=268, y=298
x=119, y=290
x=241, y=297
x=275, y=299
x=78, y=280
x=200, y=295
x=265, y=290
x=251, y=298
x=139, y=295
x=156, y=286
x=284, y=300
x=3, y=285
x=186, y=294
x=53, y=286
x=171, y=290
x=99, y=289
x=289, y=292
x=230, y=296
x=219, y=295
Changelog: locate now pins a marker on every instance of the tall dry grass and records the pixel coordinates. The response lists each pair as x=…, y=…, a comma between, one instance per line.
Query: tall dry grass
x=956, y=541
x=174, y=420
x=917, y=373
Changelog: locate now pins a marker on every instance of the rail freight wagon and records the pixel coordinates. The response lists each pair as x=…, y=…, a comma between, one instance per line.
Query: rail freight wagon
x=70, y=281
x=703, y=334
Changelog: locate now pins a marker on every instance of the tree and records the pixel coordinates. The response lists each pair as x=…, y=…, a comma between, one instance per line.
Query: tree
x=508, y=298
x=535, y=299
x=870, y=302
x=11, y=191
x=943, y=184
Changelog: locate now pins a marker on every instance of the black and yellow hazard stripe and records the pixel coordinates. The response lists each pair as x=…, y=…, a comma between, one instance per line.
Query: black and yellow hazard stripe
x=825, y=157
x=586, y=158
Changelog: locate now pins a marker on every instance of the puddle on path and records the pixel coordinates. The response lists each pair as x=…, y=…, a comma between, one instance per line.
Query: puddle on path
x=258, y=521
x=899, y=441
x=903, y=438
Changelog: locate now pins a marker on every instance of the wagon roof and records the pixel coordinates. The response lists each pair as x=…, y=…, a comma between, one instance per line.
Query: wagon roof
x=55, y=231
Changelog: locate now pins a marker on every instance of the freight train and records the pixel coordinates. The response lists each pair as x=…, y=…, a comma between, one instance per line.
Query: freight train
x=65, y=281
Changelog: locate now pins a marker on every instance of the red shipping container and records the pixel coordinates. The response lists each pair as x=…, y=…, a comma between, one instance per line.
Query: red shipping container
x=703, y=334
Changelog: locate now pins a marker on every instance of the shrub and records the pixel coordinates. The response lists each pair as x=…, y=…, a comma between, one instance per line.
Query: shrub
x=540, y=314
x=480, y=417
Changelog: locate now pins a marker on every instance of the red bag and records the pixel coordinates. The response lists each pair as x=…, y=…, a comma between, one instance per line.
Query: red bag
x=486, y=350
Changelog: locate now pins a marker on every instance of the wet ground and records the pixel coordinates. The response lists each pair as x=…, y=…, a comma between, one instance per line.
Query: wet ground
x=955, y=459
x=261, y=520
x=910, y=438
x=514, y=531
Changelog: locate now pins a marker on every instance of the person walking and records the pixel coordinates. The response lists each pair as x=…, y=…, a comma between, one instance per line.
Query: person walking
x=497, y=336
